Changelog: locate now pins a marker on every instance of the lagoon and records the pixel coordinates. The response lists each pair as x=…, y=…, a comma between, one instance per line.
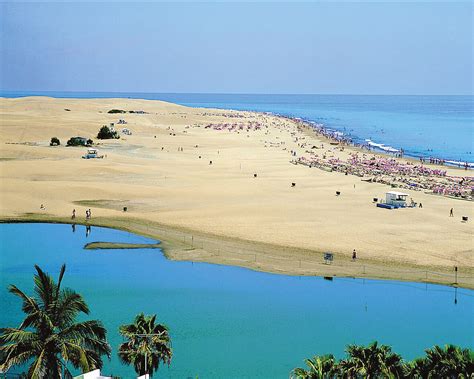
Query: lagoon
x=228, y=321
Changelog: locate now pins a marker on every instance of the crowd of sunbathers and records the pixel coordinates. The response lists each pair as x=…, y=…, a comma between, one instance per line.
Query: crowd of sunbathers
x=380, y=169
x=248, y=126
x=392, y=172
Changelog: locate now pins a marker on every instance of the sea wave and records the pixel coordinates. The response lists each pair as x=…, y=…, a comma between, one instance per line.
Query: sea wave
x=381, y=146
x=460, y=164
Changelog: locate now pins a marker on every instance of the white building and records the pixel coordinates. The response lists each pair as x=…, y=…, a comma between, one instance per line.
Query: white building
x=397, y=199
x=92, y=375
x=96, y=375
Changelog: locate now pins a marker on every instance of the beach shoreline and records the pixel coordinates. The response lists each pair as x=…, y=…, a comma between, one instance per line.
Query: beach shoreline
x=194, y=246
x=356, y=141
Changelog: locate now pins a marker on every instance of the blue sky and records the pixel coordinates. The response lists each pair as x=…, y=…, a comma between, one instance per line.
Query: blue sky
x=267, y=47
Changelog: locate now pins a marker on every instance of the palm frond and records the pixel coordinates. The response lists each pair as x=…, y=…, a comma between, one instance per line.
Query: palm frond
x=45, y=287
x=54, y=333
x=29, y=304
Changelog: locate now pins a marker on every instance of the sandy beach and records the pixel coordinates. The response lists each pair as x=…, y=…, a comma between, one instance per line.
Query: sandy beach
x=224, y=194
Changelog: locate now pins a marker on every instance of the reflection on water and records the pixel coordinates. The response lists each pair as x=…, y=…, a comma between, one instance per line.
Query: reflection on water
x=88, y=229
x=229, y=319
x=425, y=287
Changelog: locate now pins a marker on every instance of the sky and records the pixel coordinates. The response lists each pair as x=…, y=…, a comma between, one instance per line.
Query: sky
x=376, y=47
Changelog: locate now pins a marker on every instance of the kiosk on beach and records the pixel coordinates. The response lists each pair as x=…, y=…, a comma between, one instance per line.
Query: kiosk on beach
x=398, y=199
x=394, y=199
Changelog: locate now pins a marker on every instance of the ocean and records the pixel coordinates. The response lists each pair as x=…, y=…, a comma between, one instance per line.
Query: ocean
x=424, y=126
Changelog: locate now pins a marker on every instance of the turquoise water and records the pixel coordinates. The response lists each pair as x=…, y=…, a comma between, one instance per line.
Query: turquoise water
x=229, y=322
x=436, y=126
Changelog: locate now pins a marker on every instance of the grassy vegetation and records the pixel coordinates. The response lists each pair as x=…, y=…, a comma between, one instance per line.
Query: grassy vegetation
x=118, y=245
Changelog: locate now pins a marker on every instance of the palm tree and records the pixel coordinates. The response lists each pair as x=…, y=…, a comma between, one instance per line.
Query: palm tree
x=372, y=361
x=320, y=367
x=450, y=362
x=148, y=344
x=417, y=369
x=49, y=337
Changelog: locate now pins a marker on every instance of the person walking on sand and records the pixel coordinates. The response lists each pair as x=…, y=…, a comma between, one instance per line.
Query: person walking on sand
x=87, y=214
x=451, y=213
x=354, y=255
x=73, y=214
x=90, y=214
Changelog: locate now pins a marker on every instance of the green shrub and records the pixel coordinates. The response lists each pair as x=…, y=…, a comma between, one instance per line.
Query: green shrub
x=54, y=142
x=106, y=133
x=76, y=141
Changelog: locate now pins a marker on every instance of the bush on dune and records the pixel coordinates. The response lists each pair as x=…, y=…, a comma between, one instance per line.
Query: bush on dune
x=107, y=133
x=76, y=141
x=54, y=142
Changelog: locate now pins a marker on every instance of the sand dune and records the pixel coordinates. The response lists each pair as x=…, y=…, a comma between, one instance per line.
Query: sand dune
x=181, y=189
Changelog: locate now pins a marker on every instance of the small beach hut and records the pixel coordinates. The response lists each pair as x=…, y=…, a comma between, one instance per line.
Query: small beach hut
x=397, y=199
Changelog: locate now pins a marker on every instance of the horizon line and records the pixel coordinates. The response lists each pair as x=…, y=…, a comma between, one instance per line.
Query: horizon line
x=234, y=93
